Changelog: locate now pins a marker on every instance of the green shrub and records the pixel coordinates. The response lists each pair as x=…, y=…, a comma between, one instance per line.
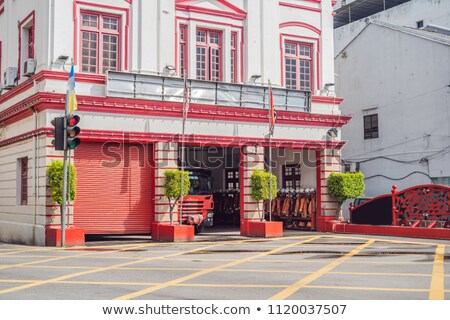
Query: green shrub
x=261, y=186
x=343, y=186
x=55, y=174
x=172, y=187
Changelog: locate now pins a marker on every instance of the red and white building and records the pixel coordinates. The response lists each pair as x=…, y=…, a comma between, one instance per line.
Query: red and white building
x=129, y=57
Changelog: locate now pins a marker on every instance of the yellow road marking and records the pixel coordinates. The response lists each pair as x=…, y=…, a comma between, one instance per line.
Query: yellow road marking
x=13, y=252
x=60, y=258
x=382, y=274
x=226, y=285
x=387, y=240
x=58, y=267
x=219, y=285
x=366, y=288
x=159, y=269
x=15, y=281
x=72, y=275
x=265, y=271
x=350, y=262
x=36, y=262
x=437, y=279
x=299, y=284
x=207, y=271
x=305, y=261
x=235, y=270
x=110, y=283
x=86, y=255
x=199, y=259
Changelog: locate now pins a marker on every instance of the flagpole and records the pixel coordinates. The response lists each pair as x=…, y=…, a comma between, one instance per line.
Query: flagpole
x=270, y=152
x=182, y=144
x=68, y=108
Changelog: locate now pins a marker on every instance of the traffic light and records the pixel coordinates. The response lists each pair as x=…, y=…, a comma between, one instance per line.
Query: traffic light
x=72, y=141
x=58, y=133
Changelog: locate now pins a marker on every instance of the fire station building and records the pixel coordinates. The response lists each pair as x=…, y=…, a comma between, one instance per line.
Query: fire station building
x=130, y=57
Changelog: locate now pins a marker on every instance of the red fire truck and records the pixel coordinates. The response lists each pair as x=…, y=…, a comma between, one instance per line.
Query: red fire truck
x=198, y=205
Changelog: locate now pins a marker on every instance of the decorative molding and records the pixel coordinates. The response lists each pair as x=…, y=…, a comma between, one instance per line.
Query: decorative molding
x=51, y=75
x=151, y=137
x=30, y=17
x=300, y=7
x=316, y=58
x=76, y=31
x=236, y=13
x=327, y=99
x=300, y=25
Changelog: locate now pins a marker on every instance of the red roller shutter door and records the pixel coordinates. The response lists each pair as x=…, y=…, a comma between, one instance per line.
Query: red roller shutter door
x=114, y=188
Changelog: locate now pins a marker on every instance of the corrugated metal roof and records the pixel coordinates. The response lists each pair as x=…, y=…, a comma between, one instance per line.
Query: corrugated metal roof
x=421, y=33
x=361, y=9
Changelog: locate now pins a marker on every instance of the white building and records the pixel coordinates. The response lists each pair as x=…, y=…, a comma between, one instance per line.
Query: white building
x=352, y=17
x=398, y=95
x=131, y=117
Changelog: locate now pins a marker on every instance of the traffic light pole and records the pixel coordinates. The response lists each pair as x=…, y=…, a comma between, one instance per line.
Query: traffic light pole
x=69, y=159
x=64, y=195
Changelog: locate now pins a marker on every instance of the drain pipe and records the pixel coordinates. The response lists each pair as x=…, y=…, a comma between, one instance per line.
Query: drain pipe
x=36, y=161
x=36, y=178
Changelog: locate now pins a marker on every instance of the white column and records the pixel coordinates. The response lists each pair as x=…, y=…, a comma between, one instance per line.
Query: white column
x=166, y=155
x=147, y=35
x=253, y=159
x=270, y=43
x=327, y=48
x=329, y=163
x=136, y=36
x=253, y=38
x=166, y=33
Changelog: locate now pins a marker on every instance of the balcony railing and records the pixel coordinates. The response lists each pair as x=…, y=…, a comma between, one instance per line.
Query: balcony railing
x=160, y=88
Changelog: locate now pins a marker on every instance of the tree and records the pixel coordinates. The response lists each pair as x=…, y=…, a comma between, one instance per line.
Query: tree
x=55, y=174
x=172, y=188
x=261, y=187
x=343, y=186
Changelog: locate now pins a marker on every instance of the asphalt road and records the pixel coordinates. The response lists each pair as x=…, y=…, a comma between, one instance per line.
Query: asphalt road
x=223, y=266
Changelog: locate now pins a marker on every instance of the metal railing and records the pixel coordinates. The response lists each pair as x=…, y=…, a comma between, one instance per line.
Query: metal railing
x=155, y=87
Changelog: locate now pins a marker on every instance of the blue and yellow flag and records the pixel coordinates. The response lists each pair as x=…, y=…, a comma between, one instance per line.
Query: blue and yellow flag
x=71, y=98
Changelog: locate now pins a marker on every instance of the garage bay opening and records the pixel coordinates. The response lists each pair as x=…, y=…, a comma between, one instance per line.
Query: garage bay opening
x=214, y=196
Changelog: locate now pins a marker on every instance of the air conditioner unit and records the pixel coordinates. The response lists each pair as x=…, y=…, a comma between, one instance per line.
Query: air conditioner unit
x=29, y=67
x=10, y=78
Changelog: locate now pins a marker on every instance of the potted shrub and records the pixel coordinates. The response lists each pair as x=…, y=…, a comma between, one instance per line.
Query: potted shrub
x=172, y=188
x=343, y=186
x=55, y=176
x=261, y=191
x=261, y=188
x=74, y=236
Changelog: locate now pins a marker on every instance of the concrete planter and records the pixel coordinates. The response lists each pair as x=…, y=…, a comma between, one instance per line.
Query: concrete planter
x=174, y=233
x=265, y=229
x=74, y=237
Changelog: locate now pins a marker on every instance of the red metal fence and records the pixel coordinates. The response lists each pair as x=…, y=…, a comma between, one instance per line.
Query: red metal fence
x=425, y=206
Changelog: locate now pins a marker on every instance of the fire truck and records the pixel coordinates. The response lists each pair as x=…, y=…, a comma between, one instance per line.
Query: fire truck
x=198, y=205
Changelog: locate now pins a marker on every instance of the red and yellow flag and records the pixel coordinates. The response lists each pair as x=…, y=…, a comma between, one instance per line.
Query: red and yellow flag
x=272, y=112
